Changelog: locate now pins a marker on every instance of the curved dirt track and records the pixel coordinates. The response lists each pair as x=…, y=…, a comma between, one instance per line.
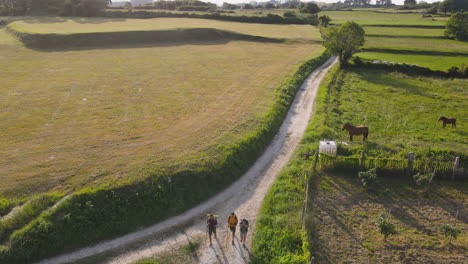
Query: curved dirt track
x=243, y=197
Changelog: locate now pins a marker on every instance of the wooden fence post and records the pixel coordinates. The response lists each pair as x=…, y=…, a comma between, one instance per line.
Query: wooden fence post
x=456, y=165
x=409, y=167
x=361, y=161
x=316, y=160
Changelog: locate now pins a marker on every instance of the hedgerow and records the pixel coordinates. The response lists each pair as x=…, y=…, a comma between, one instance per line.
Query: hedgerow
x=91, y=215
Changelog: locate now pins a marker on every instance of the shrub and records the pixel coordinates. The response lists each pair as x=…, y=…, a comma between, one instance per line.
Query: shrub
x=289, y=14
x=384, y=226
x=368, y=178
x=423, y=179
x=457, y=26
x=5, y=206
x=450, y=232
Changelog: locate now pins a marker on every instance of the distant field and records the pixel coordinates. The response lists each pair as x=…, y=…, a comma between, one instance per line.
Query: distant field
x=417, y=44
x=433, y=62
x=86, y=25
x=404, y=32
x=93, y=117
x=373, y=18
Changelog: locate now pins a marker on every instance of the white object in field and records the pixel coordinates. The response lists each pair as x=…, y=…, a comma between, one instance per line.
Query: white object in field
x=328, y=147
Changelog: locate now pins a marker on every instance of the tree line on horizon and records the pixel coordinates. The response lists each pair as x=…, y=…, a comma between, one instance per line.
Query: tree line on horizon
x=53, y=7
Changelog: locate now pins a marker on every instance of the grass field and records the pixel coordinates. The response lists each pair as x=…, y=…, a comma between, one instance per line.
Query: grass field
x=405, y=40
x=93, y=117
x=403, y=32
x=373, y=18
x=434, y=62
x=343, y=217
x=86, y=25
x=401, y=111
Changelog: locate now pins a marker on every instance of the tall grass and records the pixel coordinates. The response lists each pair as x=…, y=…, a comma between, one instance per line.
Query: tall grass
x=26, y=213
x=92, y=215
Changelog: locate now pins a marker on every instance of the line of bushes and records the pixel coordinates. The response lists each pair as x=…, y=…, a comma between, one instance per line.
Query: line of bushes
x=268, y=19
x=279, y=237
x=453, y=72
x=26, y=213
x=89, y=215
x=5, y=206
x=54, y=41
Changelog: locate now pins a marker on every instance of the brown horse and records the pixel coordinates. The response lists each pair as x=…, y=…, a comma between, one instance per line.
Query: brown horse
x=446, y=121
x=356, y=130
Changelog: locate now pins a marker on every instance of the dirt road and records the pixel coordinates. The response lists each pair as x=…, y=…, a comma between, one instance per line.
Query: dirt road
x=243, y=197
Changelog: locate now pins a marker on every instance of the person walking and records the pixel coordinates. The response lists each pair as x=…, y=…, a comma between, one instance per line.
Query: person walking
x=244, y=228
x=211, y=223
x=232, y=224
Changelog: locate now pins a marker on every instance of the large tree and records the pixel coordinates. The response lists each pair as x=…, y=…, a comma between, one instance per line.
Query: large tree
x=457, y=26
x=311, y=8
x=343, y=41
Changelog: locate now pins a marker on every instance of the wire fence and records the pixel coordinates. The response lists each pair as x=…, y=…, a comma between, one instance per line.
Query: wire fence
x=388, y=166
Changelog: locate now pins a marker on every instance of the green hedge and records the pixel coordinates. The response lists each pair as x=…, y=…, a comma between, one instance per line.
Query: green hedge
x=93, y=215
x=268, y=19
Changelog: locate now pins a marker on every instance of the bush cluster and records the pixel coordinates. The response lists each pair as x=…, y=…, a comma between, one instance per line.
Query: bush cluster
x=92, y=215
x=453, y=72
x=268, y=19
x=368, y=178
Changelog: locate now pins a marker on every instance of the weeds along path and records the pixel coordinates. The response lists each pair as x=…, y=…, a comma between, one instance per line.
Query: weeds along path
x=244, y=197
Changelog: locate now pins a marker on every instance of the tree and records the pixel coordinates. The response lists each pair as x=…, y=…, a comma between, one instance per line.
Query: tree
x=324, y=20
x=384, y=226
x=457, y=26
x=310, y=8
x=410, y=2
x=128, y=5
x=343, y=41
x=270, y=6
x=248, y=6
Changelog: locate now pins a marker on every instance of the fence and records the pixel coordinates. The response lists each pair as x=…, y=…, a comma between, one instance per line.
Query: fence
x=387, y=166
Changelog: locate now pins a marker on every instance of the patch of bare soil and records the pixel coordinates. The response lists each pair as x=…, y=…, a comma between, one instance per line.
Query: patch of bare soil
x=342, y=219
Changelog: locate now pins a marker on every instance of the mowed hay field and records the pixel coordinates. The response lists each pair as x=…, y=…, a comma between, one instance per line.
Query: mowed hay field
x=91, y=25
x=96, y=116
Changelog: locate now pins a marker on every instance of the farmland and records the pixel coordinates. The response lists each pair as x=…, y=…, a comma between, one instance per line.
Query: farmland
x=401, y=112
x=97, y=116
x=343, y=217
x=405, y=38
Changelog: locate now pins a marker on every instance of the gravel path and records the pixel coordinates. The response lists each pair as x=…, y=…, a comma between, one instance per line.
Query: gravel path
x=244, y=197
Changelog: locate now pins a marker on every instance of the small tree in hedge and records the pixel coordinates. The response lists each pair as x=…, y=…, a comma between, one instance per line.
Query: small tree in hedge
x=324, y=20
x=368, y=178
x=457, y=26
x=450, y=232
x=384, y=226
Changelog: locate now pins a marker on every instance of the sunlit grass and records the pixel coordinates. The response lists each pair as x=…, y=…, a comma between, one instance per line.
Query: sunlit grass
x=92, y=117
x=373, y=18
x=433, y=62
x=85, y=25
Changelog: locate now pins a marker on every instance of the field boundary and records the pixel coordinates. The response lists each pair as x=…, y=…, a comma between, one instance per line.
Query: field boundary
x=92, y=215
x=52, y=41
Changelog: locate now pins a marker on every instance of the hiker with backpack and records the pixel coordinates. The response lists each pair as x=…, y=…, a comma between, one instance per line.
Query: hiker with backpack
x=232, y=224
x=211, y=223
x=244, y=228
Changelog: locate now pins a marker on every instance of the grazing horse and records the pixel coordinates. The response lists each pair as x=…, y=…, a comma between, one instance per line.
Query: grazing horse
x=446, y=121
x=356, y=130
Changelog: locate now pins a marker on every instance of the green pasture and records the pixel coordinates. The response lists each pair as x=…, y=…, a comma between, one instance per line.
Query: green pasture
x=374, y=18
x=434, y=62
x=90, y=25
x=95, y=116
x=400, y=111
x=417, y=44
x=404, y=32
